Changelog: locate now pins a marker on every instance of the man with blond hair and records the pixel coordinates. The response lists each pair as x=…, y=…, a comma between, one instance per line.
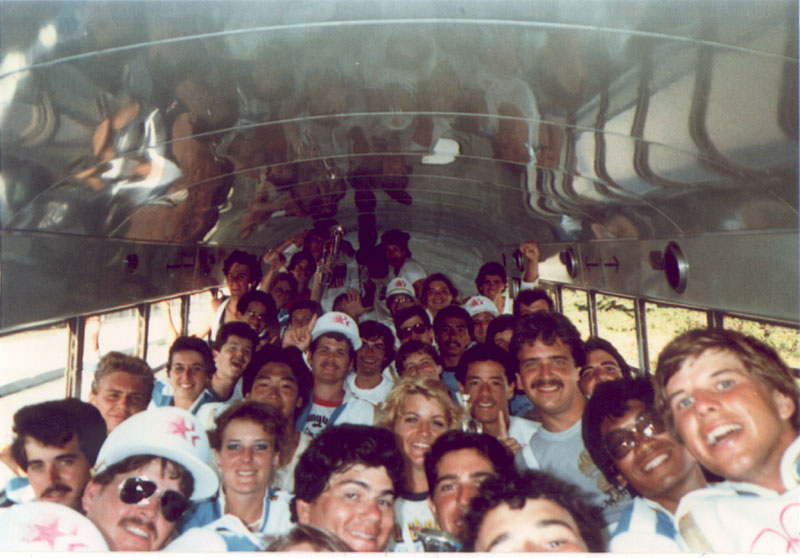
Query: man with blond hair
x=734, y=403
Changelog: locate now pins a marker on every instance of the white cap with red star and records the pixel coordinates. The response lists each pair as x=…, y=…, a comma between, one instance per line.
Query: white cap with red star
x=169, y=432
x=47, y=526
x=337, y=322
x=399, y=285
x=478, y=304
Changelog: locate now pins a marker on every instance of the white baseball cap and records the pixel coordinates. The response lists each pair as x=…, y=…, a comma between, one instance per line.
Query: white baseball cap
x=47, y=526
x=478, y=304
x=337, y=322
x=399, y=285
x=169, y=432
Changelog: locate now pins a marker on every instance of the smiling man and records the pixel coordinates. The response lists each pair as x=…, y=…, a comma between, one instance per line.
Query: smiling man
x=486, y=375
x=549, y=353
x=372, y=380
x=630, y=443
x=456, y=467
x=534, y=513
x=121, y=387
x=147, y=470
x=233, y=349
x=345, y=484
x=734, y=404
x=189, y=368
x=334, y=342
x=56, y=445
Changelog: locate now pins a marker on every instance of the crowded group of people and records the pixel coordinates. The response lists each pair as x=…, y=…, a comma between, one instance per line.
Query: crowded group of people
x=353, y=402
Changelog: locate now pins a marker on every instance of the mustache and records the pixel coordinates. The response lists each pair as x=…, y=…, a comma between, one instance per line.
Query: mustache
x=138, y=521
x=50, y=490
x=547, y=382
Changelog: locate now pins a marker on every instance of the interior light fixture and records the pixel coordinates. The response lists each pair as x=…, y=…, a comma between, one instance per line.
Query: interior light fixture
x=444, y=152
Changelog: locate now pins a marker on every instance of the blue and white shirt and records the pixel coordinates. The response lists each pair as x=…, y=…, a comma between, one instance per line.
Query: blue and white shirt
x=163, y=396
x=208, y=516
x=646, y=526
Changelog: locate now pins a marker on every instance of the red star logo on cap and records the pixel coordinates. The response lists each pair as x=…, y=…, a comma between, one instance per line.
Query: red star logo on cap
x=341, y=319
x=401, y=283
x=179, y=427
x=47, y=532
x=475, y=302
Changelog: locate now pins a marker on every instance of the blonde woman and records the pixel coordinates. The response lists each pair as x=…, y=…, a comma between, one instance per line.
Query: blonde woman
x=418, y=410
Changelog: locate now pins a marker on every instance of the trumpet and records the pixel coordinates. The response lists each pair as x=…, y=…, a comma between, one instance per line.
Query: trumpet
x=330, y=253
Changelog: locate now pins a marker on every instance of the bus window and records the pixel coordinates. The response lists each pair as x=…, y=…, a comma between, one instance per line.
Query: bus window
x=575, y=306
x=30, y=374
x=785, y=340
x=160, y=333
x=117, y=332
x=616, y=323
x=201, y=313
x=665, y=322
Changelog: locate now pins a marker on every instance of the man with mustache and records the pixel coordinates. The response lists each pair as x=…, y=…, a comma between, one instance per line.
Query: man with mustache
x=147, y=471
x=629, y=441
x=549, y=355
x=453, y=328
x=56, y=445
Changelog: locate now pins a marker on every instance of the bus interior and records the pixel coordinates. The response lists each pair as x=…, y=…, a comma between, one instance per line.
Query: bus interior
x=648, y=146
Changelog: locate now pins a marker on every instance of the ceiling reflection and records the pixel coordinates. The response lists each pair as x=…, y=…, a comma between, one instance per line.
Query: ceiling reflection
x=234, y=122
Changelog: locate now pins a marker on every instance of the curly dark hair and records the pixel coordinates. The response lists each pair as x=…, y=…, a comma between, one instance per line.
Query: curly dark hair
x=239, y=329
x=547, y=327
x=490, y=268
x=529, y=296
x=244, y=258
x=598, y=343
x=338, y=448
x=456, y=440
x=54, y=423
x=452, y=312
x=412, y=347
x=371, y=329
x=532, y=485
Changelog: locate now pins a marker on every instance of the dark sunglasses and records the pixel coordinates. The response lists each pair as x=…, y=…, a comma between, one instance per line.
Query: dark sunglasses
x=619, y=443
x=135, y=490
x=419, y=329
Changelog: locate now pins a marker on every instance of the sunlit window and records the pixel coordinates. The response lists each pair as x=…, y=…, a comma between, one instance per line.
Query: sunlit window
x=30, y=374
x=785, y=340
x=576, y=308
x=616, y=323
x=665, y=322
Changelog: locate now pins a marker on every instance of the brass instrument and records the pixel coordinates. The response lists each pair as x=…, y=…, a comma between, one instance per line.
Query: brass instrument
x=434, y=540
x=330, y=253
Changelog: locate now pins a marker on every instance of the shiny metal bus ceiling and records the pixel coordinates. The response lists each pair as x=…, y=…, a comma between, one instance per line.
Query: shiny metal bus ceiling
x=142, y=140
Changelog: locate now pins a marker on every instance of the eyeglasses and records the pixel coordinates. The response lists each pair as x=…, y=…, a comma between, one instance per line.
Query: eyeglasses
x=405, y=332
x=139, y=490
x=610, y=369
x=619, y=443
x=253, y=314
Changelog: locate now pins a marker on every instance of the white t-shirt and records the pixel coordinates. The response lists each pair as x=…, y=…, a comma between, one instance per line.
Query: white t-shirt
x=375, y=395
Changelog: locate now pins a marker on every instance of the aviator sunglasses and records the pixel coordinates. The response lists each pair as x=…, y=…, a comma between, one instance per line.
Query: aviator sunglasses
x=135, y=490
x=619, y=443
